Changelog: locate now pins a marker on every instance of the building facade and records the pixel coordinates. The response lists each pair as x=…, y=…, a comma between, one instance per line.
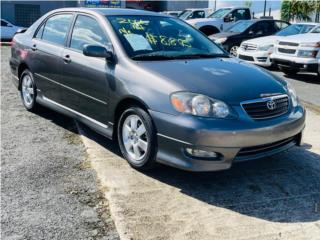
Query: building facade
x=24, y=13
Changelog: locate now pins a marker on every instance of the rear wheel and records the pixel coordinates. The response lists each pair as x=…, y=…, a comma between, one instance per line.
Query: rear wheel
x=28, y=90
x=137, y=138
x=288, y=71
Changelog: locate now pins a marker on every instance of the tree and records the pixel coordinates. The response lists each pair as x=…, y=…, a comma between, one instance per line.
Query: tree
x=297, y=9
x=248, y=3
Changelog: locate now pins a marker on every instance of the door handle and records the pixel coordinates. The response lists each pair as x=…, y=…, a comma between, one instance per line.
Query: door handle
x=34, y=47
x=66, y=59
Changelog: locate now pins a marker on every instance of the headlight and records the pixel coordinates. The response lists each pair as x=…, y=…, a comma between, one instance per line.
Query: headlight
x=200, y=105
x=315, y=44
x=220, y=40
x=265, y=47
x=307, y=53
x=292, y=94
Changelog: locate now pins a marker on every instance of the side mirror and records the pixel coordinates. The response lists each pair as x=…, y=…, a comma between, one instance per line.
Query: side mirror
x=228, y=18
x=21, y=30
x=97, y=51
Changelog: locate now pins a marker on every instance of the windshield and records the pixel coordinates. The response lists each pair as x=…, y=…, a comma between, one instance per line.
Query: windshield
x=295, y=29
x=153, y=37
x=219, y=13
x=316, y=30
x=184, y=15
x=240, y=26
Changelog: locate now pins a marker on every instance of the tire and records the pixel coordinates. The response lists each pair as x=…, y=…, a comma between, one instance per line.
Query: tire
x=233, y=50
x=28, y=91
x=137, y=138
x=288, y=71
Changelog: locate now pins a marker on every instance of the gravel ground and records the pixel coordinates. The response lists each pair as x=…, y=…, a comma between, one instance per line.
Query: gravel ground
x=48, y=189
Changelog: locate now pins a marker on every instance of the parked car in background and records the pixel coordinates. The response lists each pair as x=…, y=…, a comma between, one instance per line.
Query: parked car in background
x=172, y=13
x=258, y=50
x=157, y=85
x=220, y=20
x=247, y=29
x=298, y=53
x=192, y=13
x=8, y=30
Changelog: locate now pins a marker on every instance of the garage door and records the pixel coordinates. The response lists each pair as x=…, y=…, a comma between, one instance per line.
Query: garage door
x=26, y=14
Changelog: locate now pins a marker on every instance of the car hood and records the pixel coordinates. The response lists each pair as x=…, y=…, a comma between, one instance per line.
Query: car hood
x=223, y=35
x=226, y=79
x=303, y=38
x=261, y=41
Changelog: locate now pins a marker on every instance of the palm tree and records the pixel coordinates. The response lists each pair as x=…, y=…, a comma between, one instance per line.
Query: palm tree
x=297, y=10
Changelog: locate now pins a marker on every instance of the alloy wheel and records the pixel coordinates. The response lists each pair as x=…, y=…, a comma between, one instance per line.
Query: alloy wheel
x=233, y=51
x=134, y=137
x=27, y=89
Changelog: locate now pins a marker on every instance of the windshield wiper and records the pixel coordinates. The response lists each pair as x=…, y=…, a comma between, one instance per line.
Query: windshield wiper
x=151, y=56
x=200, y=55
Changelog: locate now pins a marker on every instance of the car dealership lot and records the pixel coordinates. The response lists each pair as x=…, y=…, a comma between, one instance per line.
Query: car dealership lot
x=275, y=198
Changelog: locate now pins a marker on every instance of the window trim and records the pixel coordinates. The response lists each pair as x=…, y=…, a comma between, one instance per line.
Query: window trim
x=44, y=22
x=68, y=43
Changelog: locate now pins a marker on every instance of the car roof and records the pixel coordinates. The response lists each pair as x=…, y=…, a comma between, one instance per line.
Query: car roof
x=110, y=11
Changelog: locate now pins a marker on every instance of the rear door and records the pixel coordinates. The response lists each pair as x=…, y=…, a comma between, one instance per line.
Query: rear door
x=47, y=49
x=86, y=78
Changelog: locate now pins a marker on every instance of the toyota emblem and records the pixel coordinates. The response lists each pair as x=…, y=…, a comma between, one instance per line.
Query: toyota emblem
x=271, y=105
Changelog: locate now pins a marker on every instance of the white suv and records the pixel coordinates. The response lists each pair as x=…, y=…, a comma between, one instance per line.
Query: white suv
x=258, y=50
x=298, y=53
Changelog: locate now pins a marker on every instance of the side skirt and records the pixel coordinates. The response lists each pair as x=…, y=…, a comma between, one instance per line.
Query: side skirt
x=101, y=128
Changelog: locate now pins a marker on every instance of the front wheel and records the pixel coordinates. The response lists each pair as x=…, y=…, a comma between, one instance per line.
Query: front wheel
x=137, y=138
x=28, y=90
x=233, y=51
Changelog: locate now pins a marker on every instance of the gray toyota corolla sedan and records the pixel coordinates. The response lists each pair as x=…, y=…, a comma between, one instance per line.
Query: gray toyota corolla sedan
x=160, y=87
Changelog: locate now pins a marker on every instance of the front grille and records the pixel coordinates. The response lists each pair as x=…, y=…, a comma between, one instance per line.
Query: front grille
x=267, y=107
x=246, y=58
x=262, y=59
x=249, y=47
x=289, y=44
x=287, y=51
x=249, y=151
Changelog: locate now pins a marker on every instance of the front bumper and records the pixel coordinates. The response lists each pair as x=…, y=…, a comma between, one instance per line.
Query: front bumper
x=296, y=63
x=261, y=58
x=232, y=139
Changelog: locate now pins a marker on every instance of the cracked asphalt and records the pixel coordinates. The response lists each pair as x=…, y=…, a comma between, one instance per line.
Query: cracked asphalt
x=48, y=189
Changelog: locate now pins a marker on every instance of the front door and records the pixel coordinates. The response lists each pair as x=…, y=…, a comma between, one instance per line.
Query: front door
x=86, y=78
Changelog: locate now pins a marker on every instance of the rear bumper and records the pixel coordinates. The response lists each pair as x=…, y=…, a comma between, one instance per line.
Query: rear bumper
x=233, y=140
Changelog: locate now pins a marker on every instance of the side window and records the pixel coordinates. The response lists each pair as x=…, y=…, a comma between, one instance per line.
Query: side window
x=198, y=14
x=56, y=28
x=280, y=25
x=240, y=14
x=4, y=24
x=87, y=31
x=40, y=31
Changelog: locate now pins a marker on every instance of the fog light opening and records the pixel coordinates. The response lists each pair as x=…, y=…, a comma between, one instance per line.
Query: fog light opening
x=199, y=153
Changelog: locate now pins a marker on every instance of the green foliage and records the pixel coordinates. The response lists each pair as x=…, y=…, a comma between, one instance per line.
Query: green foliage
x=248, y=3
x=299, y=9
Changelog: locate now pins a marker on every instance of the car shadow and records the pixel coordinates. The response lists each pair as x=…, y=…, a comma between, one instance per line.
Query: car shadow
x=283, y=188
x=301, y=76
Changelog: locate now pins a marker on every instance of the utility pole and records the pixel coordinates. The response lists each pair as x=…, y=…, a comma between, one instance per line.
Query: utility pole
x=265, y=8
x=215, y=5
